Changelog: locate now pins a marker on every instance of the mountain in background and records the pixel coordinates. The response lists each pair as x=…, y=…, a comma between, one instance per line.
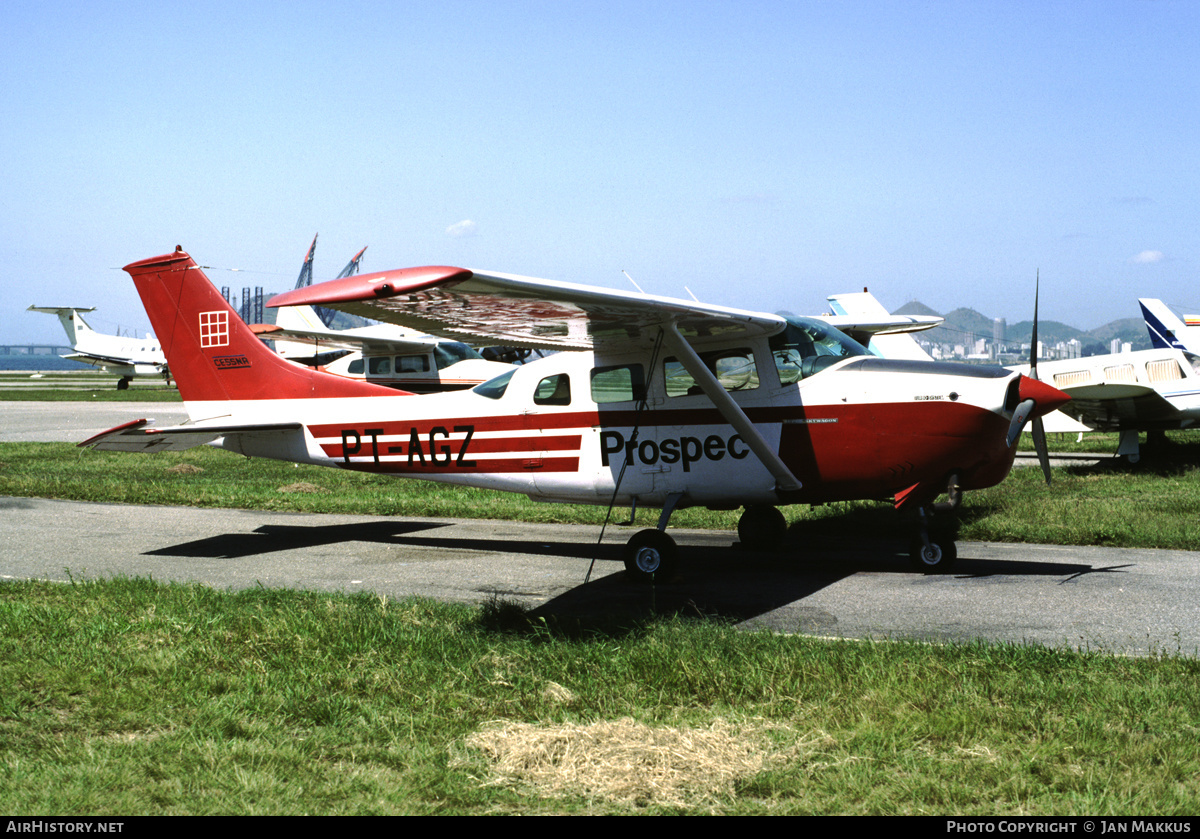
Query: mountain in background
x=967, y=325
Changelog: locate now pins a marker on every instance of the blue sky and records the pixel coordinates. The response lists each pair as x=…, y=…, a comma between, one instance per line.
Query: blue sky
x=763, y=154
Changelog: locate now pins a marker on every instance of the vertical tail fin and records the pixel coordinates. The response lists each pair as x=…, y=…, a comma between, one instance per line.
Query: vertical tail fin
x=71, y=319
x=1166, y=330
x=213, y=355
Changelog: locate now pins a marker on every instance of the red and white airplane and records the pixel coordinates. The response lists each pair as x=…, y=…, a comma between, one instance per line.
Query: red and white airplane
x=664, y=403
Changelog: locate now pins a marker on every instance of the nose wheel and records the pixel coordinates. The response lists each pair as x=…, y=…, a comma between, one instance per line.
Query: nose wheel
x=932, y=553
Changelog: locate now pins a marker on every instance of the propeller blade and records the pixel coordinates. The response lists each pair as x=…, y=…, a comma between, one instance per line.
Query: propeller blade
x=1039, y=443
x=1018, y=421
x=1033, y=353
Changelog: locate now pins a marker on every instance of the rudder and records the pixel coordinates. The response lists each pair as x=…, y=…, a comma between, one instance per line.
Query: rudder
x=213, y=355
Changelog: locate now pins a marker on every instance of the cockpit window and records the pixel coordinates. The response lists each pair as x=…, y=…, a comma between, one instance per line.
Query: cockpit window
x=1194, y=362
x=807, y=346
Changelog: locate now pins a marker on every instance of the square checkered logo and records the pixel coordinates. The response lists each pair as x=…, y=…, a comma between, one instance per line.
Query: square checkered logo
x=214, y=329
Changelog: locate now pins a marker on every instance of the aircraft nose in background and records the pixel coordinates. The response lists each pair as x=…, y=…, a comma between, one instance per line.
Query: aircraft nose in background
x=1046, y=397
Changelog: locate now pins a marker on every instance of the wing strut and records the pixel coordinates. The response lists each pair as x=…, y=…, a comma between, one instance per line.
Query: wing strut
x=729, y=409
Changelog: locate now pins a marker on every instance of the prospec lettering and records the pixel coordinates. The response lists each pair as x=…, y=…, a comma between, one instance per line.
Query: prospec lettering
x=433, y=448
x=685, y=450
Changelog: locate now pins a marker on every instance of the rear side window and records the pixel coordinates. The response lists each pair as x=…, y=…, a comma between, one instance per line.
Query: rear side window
x=553, y=390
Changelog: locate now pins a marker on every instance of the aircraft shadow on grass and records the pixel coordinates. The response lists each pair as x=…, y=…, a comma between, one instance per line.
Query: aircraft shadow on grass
x=717, y=581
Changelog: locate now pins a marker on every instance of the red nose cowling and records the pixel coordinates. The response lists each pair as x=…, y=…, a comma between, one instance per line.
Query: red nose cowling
x=1046, y=397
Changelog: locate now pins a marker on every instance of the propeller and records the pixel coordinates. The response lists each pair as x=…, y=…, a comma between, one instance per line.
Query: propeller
x=1026, y=406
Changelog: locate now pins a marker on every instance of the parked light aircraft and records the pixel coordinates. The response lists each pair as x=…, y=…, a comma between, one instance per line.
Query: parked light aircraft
x=658, y=402
x=384, y=354
x=126, y=357
x=886, y=336
x=1151, y=390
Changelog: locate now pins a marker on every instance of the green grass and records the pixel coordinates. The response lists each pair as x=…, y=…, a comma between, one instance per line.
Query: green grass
x=1153, y=504
x=129, y=697
x=82, y=386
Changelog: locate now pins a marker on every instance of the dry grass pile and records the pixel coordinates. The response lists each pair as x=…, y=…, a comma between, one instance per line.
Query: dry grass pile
x=304, y=487
x=629, y=762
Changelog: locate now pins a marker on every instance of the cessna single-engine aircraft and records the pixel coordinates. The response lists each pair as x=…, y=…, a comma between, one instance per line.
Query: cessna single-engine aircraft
x=864, y=319
x=662, y=403
x=126, y=357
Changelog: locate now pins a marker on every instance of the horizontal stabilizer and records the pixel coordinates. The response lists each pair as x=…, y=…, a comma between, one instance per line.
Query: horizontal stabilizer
x=134, y=436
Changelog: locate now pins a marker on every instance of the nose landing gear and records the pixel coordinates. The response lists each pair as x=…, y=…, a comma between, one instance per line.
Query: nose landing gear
x=932, y=553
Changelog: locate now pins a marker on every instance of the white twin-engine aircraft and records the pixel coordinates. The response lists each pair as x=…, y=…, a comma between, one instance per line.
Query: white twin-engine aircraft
x=126, y=357
x=662, y=403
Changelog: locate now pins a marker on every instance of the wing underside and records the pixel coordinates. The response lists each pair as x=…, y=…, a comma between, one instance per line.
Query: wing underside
x=481, y=308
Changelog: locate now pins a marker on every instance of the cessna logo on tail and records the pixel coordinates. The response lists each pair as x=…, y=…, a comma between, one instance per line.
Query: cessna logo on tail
x=214, y=329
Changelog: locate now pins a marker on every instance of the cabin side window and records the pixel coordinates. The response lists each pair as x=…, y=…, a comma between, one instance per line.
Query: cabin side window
x=412, y=364
x=623, y=383
x=734, y=369
x=553, y=390
x=379, y=365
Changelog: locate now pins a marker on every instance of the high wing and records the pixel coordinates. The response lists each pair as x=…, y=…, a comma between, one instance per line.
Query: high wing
x=488, y=308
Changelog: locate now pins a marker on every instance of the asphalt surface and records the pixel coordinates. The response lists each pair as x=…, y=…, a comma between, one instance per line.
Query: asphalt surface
x=74, y=422
x=1123, y=601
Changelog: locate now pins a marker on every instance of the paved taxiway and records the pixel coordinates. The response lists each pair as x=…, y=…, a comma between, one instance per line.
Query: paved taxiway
x=1123, y=601
x=74, y=422
x=1126, y=601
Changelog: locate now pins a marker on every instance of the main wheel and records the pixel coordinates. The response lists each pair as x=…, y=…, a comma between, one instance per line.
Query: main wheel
x=650, y=556
x=934, y=558
x=123, y=384
x=761, y=527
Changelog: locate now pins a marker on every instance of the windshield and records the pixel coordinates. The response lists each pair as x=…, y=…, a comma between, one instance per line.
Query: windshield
x=446, y=353
x=807, y=346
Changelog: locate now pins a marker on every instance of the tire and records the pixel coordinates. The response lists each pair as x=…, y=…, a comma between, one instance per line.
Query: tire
x=761, y=527
x=651, y=556
x=935, y=559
